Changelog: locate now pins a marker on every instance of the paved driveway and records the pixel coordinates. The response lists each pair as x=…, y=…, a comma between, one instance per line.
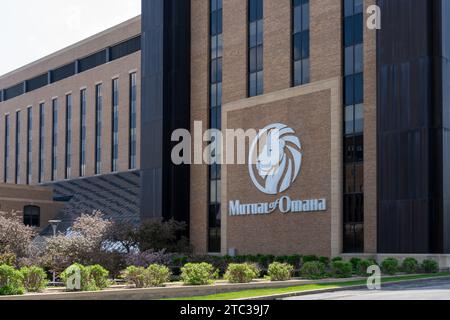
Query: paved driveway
x=429, y=290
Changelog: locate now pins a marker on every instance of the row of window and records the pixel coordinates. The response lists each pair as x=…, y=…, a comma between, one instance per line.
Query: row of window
x=300, y=45
x=216, y=54
x=68, y=135
x=94, y=60
x=353, y=126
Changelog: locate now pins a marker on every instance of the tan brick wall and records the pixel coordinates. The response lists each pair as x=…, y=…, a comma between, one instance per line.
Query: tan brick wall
x=15, y=198
x=326, y=63
x=325, y=37
x=199, y=112
x=305, y=233
x=277, y=45
x=370, y=139
x=235, y=50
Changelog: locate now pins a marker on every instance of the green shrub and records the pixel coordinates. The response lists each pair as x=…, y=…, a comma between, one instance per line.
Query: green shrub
x=264, y=260
x=241, y=273
x=87, y=282
x=280, y=271
x=336, y=259
x=430, y=266
x=8, y=259
x=135, y=275
x=355, y=262
x=157, y=275
x=341, y=269
x=313, y=270
x=10, y=281
x=294, y=260
x=99, y=276
x=311, y=258
x=410, y=265
x=34, y=279
x=389, y=266
x=198, y=274
x=363, y=265
x=325, y=261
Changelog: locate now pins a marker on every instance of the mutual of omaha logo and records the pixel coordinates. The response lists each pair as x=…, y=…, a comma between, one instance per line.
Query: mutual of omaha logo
x=275, y=161
x=278, y=164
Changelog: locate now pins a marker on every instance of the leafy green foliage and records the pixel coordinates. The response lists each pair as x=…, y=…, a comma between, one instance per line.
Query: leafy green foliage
x=280, y=271
x=34, y=279
x=341, y=269
x=313, y=270
x=198, y=274
x=390, y=266
x=410, y=265
x=430, y=266
x=241, y=273
x=10, y=281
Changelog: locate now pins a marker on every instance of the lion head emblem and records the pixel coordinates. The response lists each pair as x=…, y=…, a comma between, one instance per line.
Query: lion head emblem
x=279, y=160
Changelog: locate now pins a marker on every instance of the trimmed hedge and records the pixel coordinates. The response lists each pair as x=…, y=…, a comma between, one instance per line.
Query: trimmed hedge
x=390, y=266
x=196, y=274
x=241, y=273
x=363, y=265
x=154, y=276
x=280, y=271
x=10, y=281
x=92, y=278
x=410, y=265
x=34, y=279
x=430, y=266
x=341, y=269
x=313, y=270
x=158, y=275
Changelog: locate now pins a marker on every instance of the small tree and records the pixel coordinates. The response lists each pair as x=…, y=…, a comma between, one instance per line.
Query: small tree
x=15, y=237
x=158, y=235
x=82, y=245
x=125, y=234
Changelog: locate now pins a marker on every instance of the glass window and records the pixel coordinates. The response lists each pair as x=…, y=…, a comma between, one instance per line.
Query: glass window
x=83, y=133
x=98, y=128
x=354, y=126
x=29, y=145
x=359, y=58
x=133, y=121
x=255, y=38
x=115, y=126
x=301, y=42
x=68, y=158
x=18, y=138
x=359, y=118
x=7, y=151
x=256, y=49
x=54, y=139
x=41, y=142
x=32, y=216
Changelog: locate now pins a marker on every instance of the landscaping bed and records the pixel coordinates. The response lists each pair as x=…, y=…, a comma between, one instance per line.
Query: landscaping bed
x=148, y=264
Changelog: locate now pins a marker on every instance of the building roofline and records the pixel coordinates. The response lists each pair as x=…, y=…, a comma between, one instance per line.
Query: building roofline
x=71, y=47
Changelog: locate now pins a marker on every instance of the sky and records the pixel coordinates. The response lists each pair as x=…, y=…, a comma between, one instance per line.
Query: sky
x=33, y=29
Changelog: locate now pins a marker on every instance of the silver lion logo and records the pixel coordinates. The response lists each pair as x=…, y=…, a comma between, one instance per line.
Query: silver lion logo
x=276, y=157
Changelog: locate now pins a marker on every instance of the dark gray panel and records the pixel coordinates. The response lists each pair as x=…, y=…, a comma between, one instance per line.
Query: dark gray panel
x=413, y=165
x=165, y=106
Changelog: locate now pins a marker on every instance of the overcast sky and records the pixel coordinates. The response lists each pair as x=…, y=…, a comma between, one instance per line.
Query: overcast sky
x=32, y=29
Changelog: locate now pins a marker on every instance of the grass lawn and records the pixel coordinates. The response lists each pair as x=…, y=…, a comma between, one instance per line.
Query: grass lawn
x=308, y=287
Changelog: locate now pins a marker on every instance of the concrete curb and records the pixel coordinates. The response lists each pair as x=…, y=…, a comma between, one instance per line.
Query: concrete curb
x=180, y=291
x=328, y=290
